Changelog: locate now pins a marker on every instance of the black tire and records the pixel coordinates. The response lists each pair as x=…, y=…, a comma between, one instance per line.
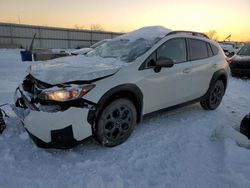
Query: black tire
x=116, y=123
x=214, y=97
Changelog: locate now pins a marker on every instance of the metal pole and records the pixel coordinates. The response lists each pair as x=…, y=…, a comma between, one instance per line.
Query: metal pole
x=11, y=35
x=19, y=20
x=39, y=37
x=68, y=36
x=91, y=37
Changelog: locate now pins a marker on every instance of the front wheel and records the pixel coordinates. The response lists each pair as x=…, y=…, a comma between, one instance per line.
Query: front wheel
x=116, y=122
x=214, y=96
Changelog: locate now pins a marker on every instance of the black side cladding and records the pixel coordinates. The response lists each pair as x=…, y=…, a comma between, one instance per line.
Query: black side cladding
x=245, y=126
x=129, y=91
x=60, y=139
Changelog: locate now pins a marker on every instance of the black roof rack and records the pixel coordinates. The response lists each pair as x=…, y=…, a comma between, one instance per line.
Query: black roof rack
x=189, y=32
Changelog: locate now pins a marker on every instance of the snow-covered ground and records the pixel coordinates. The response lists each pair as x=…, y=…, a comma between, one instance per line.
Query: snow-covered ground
x=172, y=149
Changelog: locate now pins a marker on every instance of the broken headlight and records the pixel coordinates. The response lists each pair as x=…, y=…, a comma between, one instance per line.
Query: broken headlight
x=65, y=94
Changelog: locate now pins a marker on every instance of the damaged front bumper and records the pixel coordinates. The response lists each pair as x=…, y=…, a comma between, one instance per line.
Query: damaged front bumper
x=52, y=127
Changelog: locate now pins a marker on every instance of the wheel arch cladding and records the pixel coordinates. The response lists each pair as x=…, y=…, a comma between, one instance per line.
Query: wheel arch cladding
x=223, y=78
x=129, y=91
x=219, y=75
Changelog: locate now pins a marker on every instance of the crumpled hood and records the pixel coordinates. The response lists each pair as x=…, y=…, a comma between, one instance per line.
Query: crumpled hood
x=74, y=68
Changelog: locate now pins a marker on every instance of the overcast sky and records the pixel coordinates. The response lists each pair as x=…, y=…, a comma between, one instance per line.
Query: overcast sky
x=224, y=16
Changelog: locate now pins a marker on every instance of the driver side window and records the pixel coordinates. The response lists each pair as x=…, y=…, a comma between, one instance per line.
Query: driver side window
x=174, y=49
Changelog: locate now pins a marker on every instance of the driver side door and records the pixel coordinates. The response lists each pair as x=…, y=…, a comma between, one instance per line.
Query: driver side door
x=171, y=85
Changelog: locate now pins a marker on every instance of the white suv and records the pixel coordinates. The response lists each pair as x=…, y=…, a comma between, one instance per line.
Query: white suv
x=105, y=93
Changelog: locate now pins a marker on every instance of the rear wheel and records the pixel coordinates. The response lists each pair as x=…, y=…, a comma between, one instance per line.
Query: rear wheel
x=116, y=122
x=214, y=96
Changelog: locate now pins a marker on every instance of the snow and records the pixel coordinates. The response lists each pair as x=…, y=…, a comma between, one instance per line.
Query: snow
x=95, y=65
x=131, y=45
x=148, y=33
x=68, y=51
x=74, y=68
x=81, y=51
x=171, y=149
x=225, y=131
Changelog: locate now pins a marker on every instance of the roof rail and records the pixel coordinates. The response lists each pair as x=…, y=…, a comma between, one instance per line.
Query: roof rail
x=189, y=32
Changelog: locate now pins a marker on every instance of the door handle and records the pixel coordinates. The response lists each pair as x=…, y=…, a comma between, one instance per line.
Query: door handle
x=187, y=70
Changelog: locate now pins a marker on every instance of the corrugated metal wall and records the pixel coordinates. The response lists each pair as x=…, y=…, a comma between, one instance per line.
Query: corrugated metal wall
x=16, y=35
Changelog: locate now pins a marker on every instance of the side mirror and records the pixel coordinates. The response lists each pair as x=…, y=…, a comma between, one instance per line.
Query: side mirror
x=166, y=62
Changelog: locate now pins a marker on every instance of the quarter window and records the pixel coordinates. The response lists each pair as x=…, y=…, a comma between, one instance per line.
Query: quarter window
x=198, y=49
x=210, y=52
x=174, y=49
x=215, y=49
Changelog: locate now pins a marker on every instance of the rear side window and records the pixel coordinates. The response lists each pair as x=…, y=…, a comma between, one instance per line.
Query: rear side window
x=198, y=49
x=214, y=49
x=209, y=49
x=174, y=49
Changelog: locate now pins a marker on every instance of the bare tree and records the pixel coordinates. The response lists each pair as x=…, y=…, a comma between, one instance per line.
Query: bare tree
x=212, y=34
x=96, y=27
x=76, y=26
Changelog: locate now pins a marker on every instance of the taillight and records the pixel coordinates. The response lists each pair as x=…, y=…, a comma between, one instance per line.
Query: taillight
x=229, y=61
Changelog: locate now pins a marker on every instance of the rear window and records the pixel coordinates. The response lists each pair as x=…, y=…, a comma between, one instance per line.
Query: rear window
x=198, y=49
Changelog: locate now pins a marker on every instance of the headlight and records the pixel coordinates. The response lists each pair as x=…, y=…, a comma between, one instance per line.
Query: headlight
x=65, y=94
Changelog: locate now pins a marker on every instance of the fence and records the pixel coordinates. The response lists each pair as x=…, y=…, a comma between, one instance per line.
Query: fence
x=19, y=35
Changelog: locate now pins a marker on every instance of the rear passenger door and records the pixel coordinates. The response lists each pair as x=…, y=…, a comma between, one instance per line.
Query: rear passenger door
x=204, y=65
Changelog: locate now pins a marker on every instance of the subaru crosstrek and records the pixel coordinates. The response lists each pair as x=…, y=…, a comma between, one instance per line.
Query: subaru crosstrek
x=106, y=92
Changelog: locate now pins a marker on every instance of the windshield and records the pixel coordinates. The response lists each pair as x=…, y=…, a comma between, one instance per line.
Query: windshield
x=99, y=43
x=124, y=49
x=245, y=50
x=131, y=45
